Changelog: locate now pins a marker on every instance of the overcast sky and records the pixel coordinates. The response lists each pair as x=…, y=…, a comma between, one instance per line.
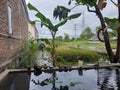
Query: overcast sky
x=90, y=19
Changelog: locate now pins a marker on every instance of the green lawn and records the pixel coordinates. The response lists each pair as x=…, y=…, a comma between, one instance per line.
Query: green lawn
x=84, y=44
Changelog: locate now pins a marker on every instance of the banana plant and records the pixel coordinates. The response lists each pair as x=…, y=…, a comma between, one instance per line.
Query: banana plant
x=53, y=28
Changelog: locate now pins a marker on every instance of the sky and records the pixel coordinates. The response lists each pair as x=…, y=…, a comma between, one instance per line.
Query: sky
x=90, y=19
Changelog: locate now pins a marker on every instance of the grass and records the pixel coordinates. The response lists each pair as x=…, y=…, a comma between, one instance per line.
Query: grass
x=84, y=44
x=69, y=52
x=66, y=55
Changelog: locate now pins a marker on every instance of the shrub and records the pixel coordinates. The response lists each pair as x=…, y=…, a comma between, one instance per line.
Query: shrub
x=28, y=54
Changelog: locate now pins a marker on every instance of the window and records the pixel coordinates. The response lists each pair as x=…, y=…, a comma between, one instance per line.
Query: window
x=10, y=24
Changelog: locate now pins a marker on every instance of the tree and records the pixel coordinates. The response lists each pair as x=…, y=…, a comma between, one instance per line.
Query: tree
x=98, y=6
x=53, y=28
x=59, y=38
x=86, y=34
x=67, y=37
x=97, y=29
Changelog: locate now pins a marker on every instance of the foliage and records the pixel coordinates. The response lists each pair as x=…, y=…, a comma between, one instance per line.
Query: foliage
x=66, y=38
x=53, y=28
x=112, y=33
x=59, y=38
x=28, y=54
x=86, y=34
x=71, y=54
x=97, y=29
x=60, y=12
x=45, y=40
x=87, y=2
x=112, y=23
x=46, y=22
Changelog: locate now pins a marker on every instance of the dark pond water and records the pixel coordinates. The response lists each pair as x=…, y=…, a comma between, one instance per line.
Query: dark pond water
x=102, y=79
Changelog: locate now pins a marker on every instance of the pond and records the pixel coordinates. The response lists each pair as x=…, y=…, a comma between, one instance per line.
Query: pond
x=102, y=79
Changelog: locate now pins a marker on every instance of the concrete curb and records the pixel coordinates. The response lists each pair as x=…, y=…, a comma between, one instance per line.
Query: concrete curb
x=3, y=74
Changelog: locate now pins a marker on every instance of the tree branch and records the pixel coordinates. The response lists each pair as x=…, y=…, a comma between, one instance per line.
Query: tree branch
x=115, y=3
x=75, y=6
x=90, y=10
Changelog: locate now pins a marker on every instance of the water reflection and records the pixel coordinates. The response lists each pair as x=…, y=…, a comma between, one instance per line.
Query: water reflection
x=51, y=80
x=101, y=79
x=108, y=79
x=118, y=78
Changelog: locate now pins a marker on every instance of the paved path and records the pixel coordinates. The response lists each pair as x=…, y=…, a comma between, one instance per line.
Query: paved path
x=98, y=49
x=44, y=58
x=101, y=50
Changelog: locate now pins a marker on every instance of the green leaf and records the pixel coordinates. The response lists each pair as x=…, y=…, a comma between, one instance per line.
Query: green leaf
x=40, y=16
x=74, y=16
x=43, y=19
x=48, y=49
x=68, y=18
x=60, y=12
x=33, y=22
x=114, y=20
x=87, y=2
x=112, y=23
x=46, y=41
x=60, y=24
x=31, y=7
x=46, y=22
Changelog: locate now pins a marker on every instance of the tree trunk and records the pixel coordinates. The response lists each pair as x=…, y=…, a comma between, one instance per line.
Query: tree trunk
x=106, y=37
x=118, y=39
x=118, y=46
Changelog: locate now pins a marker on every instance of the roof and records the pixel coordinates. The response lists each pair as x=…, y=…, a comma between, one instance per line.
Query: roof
x=95, y=38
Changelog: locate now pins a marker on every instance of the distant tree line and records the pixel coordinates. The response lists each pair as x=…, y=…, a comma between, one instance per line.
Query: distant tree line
x=86, y=34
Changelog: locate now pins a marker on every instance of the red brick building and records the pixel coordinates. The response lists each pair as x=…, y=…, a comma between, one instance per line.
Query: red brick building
x=13, y=29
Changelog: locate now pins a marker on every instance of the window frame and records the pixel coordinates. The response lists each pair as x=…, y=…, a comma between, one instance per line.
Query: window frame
x=10, y=19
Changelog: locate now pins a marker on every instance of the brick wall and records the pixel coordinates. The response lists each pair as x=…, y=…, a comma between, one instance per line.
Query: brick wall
x=10, y=46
